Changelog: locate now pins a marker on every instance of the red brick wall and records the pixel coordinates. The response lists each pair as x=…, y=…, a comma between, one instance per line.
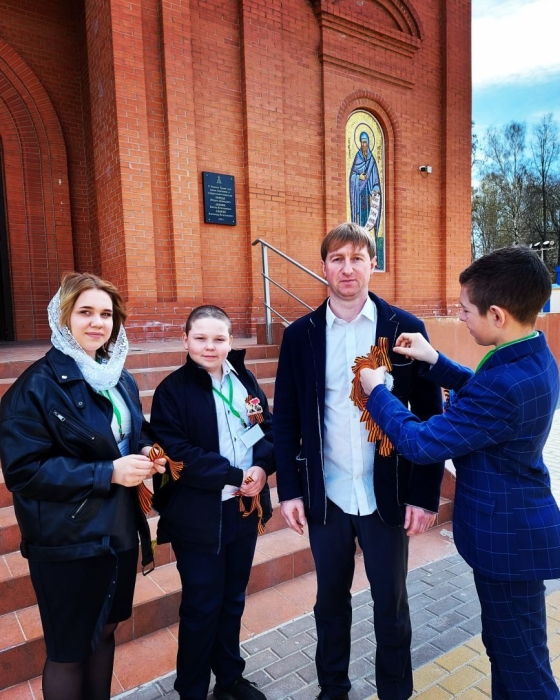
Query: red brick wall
x=149, y=94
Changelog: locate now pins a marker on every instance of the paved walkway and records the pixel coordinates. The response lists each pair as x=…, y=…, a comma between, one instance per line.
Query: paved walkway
x=447, y=653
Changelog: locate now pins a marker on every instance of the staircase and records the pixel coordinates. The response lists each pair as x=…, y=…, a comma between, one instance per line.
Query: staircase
x=281, y=554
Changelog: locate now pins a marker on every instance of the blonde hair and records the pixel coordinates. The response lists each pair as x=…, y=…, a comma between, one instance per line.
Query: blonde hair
x=348, y=232
x=74, y=283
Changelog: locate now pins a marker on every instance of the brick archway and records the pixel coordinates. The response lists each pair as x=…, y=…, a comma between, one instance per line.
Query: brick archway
x=37, y=194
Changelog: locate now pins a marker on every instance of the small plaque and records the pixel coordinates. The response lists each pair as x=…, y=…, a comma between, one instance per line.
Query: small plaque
x=219, y=199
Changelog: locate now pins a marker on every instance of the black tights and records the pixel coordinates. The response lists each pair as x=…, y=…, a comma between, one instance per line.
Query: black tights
x=86, y=680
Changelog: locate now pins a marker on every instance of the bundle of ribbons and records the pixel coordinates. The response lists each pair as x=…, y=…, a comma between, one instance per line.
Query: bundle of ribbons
x=255, y=506
x=145, y=496
x=378, y=356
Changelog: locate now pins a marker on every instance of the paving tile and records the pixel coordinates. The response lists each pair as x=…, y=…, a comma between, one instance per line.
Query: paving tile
x=460, y=680
x=143, y=659
x=439, y=607
x=421, y=617
x=434, y=693
x=424, y=654
x=303, y=624
x=301, y=591
x=263, y=641
x=450, y=639
x=287, y=665
x=308, y=673
x=362, y=647
x=19, y=692
x=292, y=644
x=284, y=687
x=267, y=609
x=450, y=619
x=10, y=631
x=457, y=657
x=427, y=675
x=263, y=659
x=421, y=635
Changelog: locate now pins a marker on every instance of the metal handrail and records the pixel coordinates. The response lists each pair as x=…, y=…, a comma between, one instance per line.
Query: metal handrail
x=268, y=309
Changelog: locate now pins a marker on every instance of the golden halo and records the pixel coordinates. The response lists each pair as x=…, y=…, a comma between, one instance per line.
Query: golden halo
x=362, y=126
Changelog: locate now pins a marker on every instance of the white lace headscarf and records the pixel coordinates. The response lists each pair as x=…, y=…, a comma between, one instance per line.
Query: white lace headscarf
x=100, y=376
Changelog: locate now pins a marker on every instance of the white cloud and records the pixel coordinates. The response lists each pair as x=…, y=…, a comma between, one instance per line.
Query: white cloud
x=515, y=41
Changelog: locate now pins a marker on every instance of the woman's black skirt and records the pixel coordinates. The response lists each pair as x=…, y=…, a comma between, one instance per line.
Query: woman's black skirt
x=72, y=595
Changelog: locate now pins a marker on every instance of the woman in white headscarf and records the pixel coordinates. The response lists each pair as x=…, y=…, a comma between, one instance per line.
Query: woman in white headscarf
x=74, y=446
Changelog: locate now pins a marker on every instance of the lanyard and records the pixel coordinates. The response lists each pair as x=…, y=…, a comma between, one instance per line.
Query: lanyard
x=499, y=347
x=107, y=395
x=229, y=401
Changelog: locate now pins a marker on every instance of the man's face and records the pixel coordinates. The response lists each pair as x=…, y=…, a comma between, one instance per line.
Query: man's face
x=365, y=147
x=347, y=271
x=480, y=327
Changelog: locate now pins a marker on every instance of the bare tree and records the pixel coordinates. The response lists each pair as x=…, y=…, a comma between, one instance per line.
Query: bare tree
x=505, y=161
x=545, y=167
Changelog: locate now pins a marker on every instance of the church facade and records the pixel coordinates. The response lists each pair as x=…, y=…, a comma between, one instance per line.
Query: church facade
x=152, y=142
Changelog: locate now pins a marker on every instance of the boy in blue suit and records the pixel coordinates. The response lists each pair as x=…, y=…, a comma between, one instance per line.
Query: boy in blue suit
x=506, y=522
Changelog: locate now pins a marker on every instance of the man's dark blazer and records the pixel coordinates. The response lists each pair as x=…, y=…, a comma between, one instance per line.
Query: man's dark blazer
x=299, y=411
x=506, y=522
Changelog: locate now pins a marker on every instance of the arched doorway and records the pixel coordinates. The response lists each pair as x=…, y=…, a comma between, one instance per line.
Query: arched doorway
x=36, y=218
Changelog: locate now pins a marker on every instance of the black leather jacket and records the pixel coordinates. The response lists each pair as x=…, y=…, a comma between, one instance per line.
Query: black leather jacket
x=57, y=450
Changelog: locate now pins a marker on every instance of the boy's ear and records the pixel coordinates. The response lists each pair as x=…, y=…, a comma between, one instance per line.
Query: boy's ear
x=185, y=342
x=498, y=316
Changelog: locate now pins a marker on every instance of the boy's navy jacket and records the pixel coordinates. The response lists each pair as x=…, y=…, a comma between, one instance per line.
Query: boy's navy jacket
x=185, y=422
x=506, y=523
x=299, y=410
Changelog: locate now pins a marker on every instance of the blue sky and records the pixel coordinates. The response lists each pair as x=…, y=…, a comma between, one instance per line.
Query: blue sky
x=515, y=61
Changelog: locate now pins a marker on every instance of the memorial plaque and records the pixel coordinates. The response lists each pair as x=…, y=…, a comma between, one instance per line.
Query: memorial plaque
x=219, y=199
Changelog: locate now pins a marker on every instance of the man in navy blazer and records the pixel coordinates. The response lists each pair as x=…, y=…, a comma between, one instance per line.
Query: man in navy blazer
x=506, y=522
x=332, y=478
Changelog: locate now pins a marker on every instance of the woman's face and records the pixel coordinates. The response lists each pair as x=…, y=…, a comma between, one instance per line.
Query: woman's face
x=91, y=320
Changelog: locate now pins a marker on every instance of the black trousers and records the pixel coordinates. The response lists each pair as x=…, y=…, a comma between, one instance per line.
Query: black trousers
x=385, y=551
x=212, y=603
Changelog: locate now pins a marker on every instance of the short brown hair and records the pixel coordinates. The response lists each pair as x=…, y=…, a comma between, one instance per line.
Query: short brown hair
x=207, y=311
x=74, y=283
x=358, y=236
x=514, y=278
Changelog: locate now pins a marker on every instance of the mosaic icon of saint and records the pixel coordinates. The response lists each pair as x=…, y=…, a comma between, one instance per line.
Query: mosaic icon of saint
x=365, y=187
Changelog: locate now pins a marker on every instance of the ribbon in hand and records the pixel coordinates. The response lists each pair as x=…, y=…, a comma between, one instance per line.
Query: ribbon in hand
x=145, y=496
x=255, y=506
x=378, y=356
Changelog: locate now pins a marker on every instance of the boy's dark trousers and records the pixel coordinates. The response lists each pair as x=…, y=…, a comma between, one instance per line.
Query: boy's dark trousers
x=513, y=617
x=212, y=603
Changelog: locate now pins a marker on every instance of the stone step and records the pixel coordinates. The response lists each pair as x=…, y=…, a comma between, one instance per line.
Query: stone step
x=9, y=531
x=16, y=590
x=148, y=378
x=141, y=355
x=280, y=556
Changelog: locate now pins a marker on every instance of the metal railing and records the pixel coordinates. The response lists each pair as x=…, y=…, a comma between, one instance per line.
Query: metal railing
x=267, y=280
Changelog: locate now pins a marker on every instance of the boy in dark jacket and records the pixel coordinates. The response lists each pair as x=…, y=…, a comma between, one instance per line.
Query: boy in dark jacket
x=212, y=415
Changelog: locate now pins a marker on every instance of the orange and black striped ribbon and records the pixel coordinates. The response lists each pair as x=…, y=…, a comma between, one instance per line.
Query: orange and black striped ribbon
x=378, y=356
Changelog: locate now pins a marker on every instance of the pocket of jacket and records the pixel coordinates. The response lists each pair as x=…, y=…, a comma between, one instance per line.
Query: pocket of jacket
x=72, y=425
x=79, y=511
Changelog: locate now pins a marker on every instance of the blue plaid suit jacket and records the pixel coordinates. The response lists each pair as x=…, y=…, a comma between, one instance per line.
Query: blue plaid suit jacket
x=506, y=522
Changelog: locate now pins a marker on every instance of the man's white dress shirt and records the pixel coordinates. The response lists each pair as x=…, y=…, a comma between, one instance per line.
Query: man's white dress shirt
x=348, y=456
